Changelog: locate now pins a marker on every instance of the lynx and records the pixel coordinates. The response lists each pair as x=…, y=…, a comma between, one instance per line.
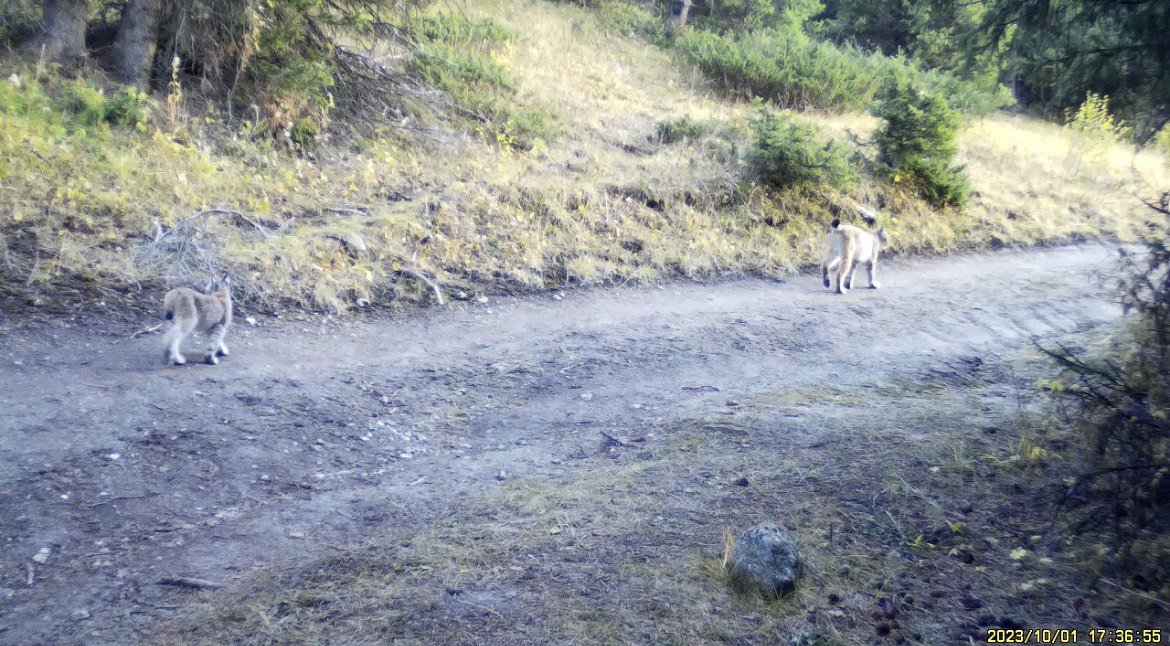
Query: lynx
x=208, y=313
x=848, y=246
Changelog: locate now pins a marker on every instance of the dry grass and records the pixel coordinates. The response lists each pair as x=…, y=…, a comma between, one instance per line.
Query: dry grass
x=915, y=537
x=603, y=203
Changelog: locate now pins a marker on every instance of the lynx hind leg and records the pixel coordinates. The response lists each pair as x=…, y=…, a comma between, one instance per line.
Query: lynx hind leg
x=174, y=339
x=872, y=269
x=828, y=267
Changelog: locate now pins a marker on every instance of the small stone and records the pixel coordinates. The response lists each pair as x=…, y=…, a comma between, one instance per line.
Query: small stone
x=6, y=593
x=742, y=482
x=114, y=456
x=296, y=534
x=250, y=320
x=42, y=556
x=481, y=299
x=587, y=396
x=502, y=475
x=81, y=614
x=732, y=402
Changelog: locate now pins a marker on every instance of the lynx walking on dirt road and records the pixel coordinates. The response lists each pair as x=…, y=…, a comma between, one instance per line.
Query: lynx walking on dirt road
x=209, y=313
x=847, y=247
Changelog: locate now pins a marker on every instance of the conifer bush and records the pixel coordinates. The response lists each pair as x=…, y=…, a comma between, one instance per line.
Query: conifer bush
x=917, y=142
x=790, y=153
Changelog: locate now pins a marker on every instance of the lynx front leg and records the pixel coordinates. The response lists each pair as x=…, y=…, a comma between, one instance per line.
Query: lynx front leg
x=222, y=349
x=872, y=268
x=215, y=336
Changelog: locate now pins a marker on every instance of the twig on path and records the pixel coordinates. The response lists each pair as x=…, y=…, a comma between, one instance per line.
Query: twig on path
x=1147, y=597
x=188, y=582
x=481, y=607
x=621, y=441
x=422, y=277
x=148, y=330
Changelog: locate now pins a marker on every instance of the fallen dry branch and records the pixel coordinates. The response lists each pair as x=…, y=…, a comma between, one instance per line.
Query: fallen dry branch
x=191, y=583
x=147, y=330
x=418, y=275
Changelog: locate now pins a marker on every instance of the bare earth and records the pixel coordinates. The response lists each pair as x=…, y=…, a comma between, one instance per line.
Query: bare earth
x=316, y=435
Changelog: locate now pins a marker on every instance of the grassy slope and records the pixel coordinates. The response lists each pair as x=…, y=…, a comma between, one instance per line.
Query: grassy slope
x=601, y=203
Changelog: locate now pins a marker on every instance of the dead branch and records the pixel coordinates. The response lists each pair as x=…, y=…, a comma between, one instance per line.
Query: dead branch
x=422, y=277
x=190, y=583
x=148, y=330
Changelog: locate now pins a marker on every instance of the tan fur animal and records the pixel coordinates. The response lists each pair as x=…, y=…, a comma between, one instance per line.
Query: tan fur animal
x=848, y=246
x=209, y=313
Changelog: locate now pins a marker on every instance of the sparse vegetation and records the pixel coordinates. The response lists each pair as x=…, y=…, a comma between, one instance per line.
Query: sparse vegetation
x=1120, y=395
x=474, y=216
x=793, y=70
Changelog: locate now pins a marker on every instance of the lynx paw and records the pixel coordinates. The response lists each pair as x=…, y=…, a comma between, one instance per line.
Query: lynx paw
x=176, y=359
x=222, y=351
x=875, y=285
x=210, y=358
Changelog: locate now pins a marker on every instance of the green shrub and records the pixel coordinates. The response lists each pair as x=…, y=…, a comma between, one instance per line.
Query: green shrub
x=456, y=28
x=83, y=100
x=127, y=107
x=788, y=153
x=626, y=18
x=791, y=69
x=917, y=142
x=1094, y=120
x=1120, y=396
x=683, y=129
x=91, y=106
x=787, y=69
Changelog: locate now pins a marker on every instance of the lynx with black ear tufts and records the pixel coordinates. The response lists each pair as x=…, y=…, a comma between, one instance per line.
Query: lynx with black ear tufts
x=209, y=313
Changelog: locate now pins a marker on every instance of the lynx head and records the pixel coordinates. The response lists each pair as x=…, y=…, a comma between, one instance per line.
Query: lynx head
x=223, y=286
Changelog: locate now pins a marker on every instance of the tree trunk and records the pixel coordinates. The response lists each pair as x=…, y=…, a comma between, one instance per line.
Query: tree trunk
x=63, y=38
x=137, y=41
x=677, y=18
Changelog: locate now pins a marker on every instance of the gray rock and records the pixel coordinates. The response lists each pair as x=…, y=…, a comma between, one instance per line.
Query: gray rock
x=765, y=557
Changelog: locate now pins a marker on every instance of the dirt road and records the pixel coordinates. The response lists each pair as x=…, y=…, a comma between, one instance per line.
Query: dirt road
x=116, y=473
